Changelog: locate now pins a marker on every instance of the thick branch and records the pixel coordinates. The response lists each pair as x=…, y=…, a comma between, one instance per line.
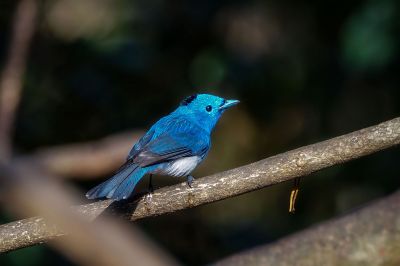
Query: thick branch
x=276, y=169
x=370, y=236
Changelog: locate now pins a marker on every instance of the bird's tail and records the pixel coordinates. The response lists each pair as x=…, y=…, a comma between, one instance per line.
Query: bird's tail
x=121, y=185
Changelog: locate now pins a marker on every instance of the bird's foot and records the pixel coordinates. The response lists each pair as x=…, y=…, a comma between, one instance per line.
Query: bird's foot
x=190, y=180
x=150, y=187
x=148, y=197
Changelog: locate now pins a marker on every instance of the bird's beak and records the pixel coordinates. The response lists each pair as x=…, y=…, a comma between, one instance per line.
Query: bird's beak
x=228, y=104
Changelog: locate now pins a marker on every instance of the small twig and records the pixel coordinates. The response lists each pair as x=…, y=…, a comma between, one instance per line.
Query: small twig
x=293, y=195
x=267, y=172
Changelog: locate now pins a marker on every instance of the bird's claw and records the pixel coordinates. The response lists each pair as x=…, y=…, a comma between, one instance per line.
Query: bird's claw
x=189, y=180
x=148, y=197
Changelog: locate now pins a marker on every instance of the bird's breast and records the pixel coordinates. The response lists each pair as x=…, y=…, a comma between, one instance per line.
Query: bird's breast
x=180, y=167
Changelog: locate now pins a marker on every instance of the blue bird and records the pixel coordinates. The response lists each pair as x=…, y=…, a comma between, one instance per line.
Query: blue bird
x=173, y=146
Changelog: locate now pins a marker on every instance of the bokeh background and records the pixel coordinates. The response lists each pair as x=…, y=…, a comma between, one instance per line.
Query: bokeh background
x=304, y=71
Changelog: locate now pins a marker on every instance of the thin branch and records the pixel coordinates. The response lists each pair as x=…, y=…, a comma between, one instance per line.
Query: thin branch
x=369, y=236
x=273, y=170
x=86, y=160
x=11, y=78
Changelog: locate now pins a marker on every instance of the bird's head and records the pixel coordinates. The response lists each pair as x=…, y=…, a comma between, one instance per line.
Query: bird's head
x=205, y=108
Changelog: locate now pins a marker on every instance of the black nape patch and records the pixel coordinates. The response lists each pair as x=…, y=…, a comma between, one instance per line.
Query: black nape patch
x=189, y=99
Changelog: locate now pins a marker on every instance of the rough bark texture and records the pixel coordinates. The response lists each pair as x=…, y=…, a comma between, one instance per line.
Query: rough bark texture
x=370, y=236
x=276, y=169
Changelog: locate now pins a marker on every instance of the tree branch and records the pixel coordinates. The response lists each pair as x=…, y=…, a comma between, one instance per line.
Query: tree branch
x=370, y=236
x=11, y=78
x=276, y=169
x=83, y=159
x=104, y=242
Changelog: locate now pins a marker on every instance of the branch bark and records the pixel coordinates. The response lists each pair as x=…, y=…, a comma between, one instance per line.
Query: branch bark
x=276, y=169
x=370, y=236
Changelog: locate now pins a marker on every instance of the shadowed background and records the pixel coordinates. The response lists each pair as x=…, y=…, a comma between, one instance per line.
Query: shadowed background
x=304, y=71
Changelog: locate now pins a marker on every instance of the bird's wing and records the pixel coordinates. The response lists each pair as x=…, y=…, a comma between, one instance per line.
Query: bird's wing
x=184, y=140
x=140, y=144
x=136, y=150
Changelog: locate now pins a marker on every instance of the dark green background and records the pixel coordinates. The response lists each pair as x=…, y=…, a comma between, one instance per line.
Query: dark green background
x=304, y=71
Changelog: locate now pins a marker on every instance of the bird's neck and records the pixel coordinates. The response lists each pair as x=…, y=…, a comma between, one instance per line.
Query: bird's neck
x=201, y=120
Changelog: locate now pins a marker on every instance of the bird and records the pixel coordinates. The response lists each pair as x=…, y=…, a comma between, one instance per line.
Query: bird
x=174, y=146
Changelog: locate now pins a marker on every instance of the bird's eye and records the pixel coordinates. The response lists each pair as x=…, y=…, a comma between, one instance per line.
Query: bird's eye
x=208, y=108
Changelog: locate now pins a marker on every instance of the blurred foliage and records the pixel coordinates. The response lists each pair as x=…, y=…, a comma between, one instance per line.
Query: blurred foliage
x=371, y=25
x=303, y=70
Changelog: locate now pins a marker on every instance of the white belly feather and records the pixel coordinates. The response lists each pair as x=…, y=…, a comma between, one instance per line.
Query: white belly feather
x=182, y=167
